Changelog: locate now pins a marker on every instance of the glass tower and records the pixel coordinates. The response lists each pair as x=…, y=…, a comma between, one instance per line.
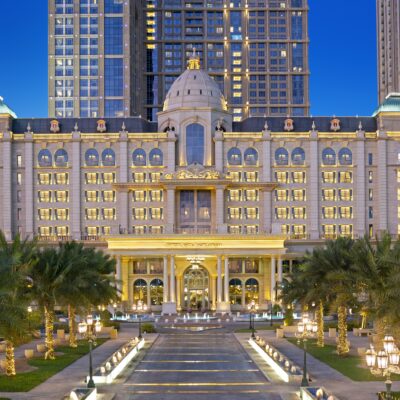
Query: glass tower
x=91, y=71
x=256, y=50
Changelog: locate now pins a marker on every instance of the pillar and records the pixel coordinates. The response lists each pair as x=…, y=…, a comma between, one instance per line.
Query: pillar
x=172, y=283
x=220, y=210
x=280, y=274
x=7, y=186
x=171, y=151
x=267, y=211
x=219, y=280
x=361, y=195
x=126, y=289
x=123, y=196
x=227, y=280
x=178, y=292
x=381, y=180
x=148, y=296
x=28, y=164
x=213, y=292
x=169, y=306
x=219, y=157
x=244, y=293
x=314, y=194
x=273, y=279
x=75, y=195
x=170, y=210
x=165, y=280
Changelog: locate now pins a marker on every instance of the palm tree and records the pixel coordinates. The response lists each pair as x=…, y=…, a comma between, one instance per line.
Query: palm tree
x=15, y=258
x=48, y=274
x=377, y=276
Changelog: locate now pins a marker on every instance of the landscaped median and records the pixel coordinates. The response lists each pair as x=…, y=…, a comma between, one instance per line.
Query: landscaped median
x=45, y=369
x=351, y=366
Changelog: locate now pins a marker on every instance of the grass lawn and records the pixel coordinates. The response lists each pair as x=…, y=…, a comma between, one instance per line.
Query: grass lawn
x=258, y=328
x=348, y=366
x=24, y=382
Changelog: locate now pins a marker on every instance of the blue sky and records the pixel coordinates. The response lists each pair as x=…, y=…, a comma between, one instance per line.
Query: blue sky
x=342, y=57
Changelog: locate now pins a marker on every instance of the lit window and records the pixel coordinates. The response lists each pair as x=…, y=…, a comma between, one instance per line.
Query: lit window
x=329, y=212
x=92, y=195
x=299, y=231
x=44, y=230
x=92, y=230
x=234, y=176
x=298, y=177
x=281, y=195
x=109, y=195
x=234, y=212
x=44, y=179
x=281, y=213
x=19, y=178
x=345, y=177
x=156, y=213
x=234, y=229
x=298, y=212
x=328, y=177
x=299, y=195
x=44, y=196
x=329, y=231
x=19, y=160
x=346, y=212
x=138, y=177
x=61, y=230
x=251, y=229
x=251, y=212
x=61, y=178
x=155, y=176
x=91, y=178
x=109, y=213
x=61, y=214
x=92, y=213
x=139, y=195
x=346, y=194
x=234, y=195
x=398, y=175
x=156, y=195
x=281, y=177
x=44, y=214
x=346, y=230
x=109, y=177
x=329, y=194
x=61, y=196
x=139, y=213
x=251, y=195
x=251, y=176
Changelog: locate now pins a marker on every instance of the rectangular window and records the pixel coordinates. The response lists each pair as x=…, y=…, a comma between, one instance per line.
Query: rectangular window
x=44, y=230
x=113, y=35
x=61, y=214
x=346, y=194
x=156, y=195
x=139, y=177
x=299, y=212
x=251, y=195
x=44, y=196
x=370, y=194
x=234, y=195
x=329, y=212
x=109, y=177
x=61, y=196
x=234, y=176
x=92, y=214
x=156, y=213
x=329, y=194
x=44, y=179
x=234, y=212
x=281, y=213
x=370, y=159
x=44, y=214
x=345, y=177
x=298, y=177
x=92, y=195
x=370, y=212
x=109, y=195
x=281, y=195
x=370, y=176
x=114, y=77
x=139, y=195
x=346, y=230
x=62, y=178
x=19, y=178
x=19, y=160
x=346, y=212
x=251, y=212
x=299, y=195
x=91, y=178
x=139, y=213
x=329, y=177
x=109, y=213
x=281, y=176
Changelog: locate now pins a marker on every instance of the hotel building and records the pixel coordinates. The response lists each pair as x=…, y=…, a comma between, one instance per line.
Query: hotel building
x=200, y=211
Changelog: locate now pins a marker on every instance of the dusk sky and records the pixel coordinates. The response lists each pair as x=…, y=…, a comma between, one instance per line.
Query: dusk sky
x=342, y=57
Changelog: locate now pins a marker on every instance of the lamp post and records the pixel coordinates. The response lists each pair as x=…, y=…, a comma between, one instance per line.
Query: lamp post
x=306, y=329
x=29, y=309
x=140, y=308
x=252, y=307
x=89, y=330
x=385, y=362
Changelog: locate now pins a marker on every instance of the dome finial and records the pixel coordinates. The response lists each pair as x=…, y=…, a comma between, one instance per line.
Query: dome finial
x=194, y=60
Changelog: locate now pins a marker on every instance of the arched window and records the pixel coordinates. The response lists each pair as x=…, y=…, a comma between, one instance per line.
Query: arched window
x=252, y=290
x=328, y=156
x=140, y=291
x=195, y=144
x=156, y=292
x=45, y=158
x=298, y=156
x=250, y=156
x=156, y=157
x=345, y=156
x=61, y=158
x=234, y=156
x=281, y=156
x=139, y=158
x=108, y=157
x=235, y=291
x=92, y=158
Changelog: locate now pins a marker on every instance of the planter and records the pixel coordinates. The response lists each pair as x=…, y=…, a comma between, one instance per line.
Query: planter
x=332, y=332
x=2, y=347
x=113, y=334
x=280, y=333
x=61, y=334
x=3, y=365
x=316, y=393
x=41, y=348
x=29, y=353
x=83, y=394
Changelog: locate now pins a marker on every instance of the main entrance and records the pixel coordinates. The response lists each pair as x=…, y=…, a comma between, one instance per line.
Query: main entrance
x=196, y=289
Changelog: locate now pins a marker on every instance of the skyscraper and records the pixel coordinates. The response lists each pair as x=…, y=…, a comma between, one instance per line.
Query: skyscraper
x=93, y=45
x=103, y=53
x=388, y=26
x=256, y=50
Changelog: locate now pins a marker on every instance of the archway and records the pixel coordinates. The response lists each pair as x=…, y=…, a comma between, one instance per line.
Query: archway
x=196, y=289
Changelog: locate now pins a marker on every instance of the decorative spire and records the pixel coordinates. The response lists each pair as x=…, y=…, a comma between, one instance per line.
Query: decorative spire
x=123, y=127
x=76, y=128
x=360, y=127
x=28, y=128
x=266, y=127
x=194, y=60
x=313, y=126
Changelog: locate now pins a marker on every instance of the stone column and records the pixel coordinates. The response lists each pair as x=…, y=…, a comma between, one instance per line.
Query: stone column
x=29, y=202
x=165, y=280
x=361, y=195
x=172, y=283
x=266, y=171
x=313, y=187
x=118, y=274
x=7, y=186
x=220, y=210
x=123, y=196
x=171, y=152
x=213, y=292
x=126, y=289
x=75, y=195
x=244, y=294
x=148, y=297
x=226, y=289
x=219, y=281
x=178, y=292
x=219, y=156
x=170, y=210
x=273, y=279
x=381, y=179
x=280, y=274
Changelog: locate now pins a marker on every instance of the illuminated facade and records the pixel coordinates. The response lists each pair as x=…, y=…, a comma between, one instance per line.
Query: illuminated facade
x=200, y=211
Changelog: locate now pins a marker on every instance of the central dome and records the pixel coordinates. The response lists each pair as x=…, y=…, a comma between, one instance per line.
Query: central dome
x=194, y=89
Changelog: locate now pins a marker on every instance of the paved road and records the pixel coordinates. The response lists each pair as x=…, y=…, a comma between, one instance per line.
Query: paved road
x=199, y=366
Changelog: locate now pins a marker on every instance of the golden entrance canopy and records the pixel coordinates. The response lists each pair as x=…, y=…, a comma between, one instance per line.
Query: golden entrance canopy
x=197, y=244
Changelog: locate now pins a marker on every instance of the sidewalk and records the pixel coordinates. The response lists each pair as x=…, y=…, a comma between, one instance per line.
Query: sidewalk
x=73, y=376
x=323, y=375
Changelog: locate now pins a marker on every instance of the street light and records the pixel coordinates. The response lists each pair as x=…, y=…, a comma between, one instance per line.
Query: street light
x=89, y=330
x=253, y=308
x=140, y=308
x=385, y=362
x=306, y=329
x=29, y=309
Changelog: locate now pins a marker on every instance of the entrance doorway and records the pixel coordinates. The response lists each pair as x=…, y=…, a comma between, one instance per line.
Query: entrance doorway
x=196, y=293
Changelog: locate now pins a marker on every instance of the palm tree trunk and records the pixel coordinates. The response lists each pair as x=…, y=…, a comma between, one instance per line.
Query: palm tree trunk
x=10, y=360
x=49, y=327
x=72, y=326
x=342, y=346
x=320, y=322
